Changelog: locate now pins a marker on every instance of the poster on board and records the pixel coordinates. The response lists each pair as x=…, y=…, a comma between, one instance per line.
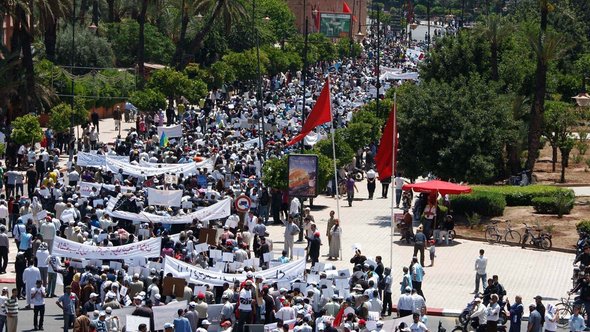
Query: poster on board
x=303, y=175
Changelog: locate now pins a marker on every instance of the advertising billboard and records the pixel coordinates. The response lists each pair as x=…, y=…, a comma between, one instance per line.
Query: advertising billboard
x=335, y=25
x=303, y=175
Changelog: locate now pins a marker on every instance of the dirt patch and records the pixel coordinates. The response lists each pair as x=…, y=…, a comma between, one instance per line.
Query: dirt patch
x=563, y=229
x=575, y=173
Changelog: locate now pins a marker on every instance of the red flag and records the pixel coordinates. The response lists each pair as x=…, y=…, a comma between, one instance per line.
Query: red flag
x=346, y=9
x=383, y=159
x=320, y=114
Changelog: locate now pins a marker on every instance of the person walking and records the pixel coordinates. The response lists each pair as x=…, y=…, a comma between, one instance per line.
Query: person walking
x=30, y=277
x=4, y=250
x=405, y=303
x=417, y=276
x=335, y=234
x=387, y=293
x=350, y=188
x=12, y=311
x=314, y=248
x=291, y=230
x=481, y=264
x=371, y=178
x=398, y=183
x=38, y=303
x=69, y=303
x=385, y=182
x=419, y=244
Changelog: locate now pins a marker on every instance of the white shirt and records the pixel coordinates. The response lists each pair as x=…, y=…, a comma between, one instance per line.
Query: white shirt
x=37, y=296
x=3, y=212
x=549, y=325
x=285, y=314
x=418, y=302
x=245, y=300
x=295, y=206
x=405, y=302
x=493, y=312
x=42, y=256
x=418, y=327
x=480, y=264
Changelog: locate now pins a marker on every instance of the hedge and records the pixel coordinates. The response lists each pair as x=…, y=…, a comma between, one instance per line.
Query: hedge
x=559, y=204
x=521, y=196
x=583, y=226
x=483, y=203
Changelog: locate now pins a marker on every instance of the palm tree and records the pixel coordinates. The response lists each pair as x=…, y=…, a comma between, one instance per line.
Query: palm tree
x=49, y=13
x=228, y=10
x=495, y=30
x=141, y=42
x=547, y=47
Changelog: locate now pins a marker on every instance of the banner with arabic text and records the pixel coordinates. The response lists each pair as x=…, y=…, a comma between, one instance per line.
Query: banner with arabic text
x=66, y=248
x=283, y=273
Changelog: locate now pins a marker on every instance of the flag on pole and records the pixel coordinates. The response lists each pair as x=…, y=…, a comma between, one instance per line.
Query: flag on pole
x=384, y=157
x=320, y=114
x=346, y=9
x=164, y=140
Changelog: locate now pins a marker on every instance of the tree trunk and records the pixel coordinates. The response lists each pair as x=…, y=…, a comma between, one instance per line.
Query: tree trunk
x=564, y=158
x=178, y=58
x=111, y=6
x=494, y=60
x=553, y=156
x=197, y=41
x=141, y=44
x=82, y=15
x=536, y=119
x=50, y=37
x=513, y=159
x=26, y=39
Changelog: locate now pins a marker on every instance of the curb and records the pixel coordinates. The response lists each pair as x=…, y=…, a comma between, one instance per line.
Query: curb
x=7, y=280
x=439, y=312
x=470, y=238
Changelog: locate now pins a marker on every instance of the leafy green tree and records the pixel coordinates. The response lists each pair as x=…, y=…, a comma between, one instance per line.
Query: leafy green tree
x=220, y=73
x=495, y=30
x=26, y=129
x=91, y=50
x=455, y=131
x=344, y=153
x=345, y=47
x=244, y=64
x=358, y=135
x=174, y=84
x=124, y=38
x=275, y=173
x=281, y=61
x=559, y=119
x=61, y=116
x=148, y=100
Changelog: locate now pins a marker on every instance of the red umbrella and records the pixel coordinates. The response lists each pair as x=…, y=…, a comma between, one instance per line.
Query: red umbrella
x=441, y=187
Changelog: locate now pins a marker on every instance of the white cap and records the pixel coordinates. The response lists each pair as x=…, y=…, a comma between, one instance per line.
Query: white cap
x=168, y=326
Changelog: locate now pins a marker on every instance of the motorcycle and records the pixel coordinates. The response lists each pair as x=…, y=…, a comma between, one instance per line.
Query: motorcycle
x=473, y=325
x=358, y=174
x=466, y=313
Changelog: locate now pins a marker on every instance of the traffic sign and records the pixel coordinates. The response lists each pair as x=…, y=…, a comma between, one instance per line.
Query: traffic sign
x=243, y=203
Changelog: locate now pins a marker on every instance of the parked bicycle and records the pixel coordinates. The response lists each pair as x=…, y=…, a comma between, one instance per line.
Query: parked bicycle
x=541, y=240
x=565, y=309
x=492, y=234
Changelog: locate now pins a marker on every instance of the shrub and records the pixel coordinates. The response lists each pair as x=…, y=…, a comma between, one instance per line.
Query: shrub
x=583, y=226
x=520, y=196
x=483, y=203
x=560, y=204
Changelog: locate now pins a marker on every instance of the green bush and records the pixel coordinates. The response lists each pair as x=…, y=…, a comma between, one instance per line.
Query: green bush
x=561, y=203
x=583, y=226
x=483, y=203
x=521, y=196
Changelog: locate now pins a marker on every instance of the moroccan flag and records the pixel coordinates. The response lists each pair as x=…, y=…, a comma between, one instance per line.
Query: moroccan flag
x=164, y=140
x=383, y=159
x=320, y=114
x=346, y=9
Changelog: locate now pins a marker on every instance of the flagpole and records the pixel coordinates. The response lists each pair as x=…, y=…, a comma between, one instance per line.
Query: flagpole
x=333, y=132
x=393, y=194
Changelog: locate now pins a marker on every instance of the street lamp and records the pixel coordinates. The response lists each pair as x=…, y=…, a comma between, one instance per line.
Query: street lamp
x=583, y=98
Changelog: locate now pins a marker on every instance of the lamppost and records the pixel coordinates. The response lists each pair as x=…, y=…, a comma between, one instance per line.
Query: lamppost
x=378, y=58
x=72, y=139
x=583, y=98
x=258, y=81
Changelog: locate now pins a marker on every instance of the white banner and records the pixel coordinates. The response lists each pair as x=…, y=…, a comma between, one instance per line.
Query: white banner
x=86, y=188
x=88, y=159
x=313, y=138
x=171, y=131
x=66, y=248
x=39, y=216
x=282, y=273
x=166, y=313
x=164, y=197
x=218, y=210
x=150, y=169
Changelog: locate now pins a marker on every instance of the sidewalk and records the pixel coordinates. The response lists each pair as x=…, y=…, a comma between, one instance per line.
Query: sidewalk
x=449, y=283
